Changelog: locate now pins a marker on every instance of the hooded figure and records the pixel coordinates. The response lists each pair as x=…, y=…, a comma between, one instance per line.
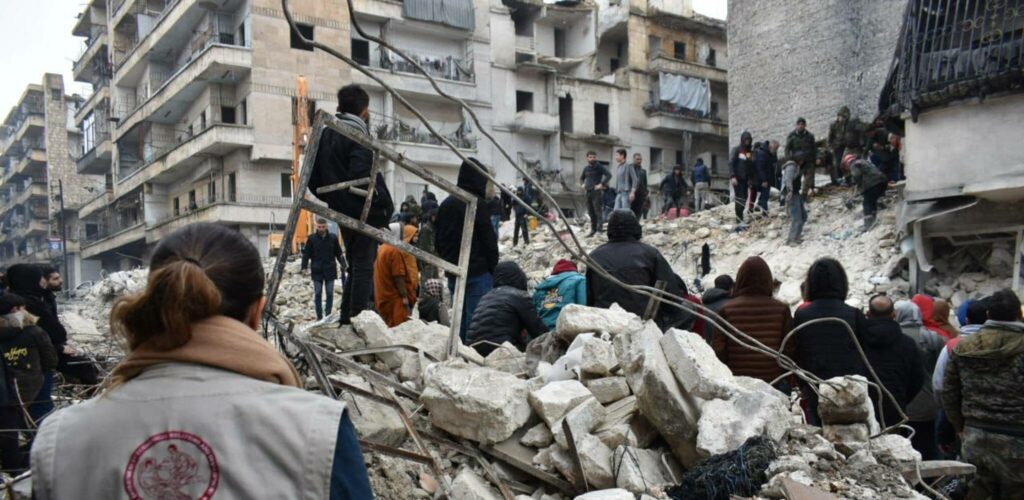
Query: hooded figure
x=25, y=280
x=395, y=277
x=929, y=345
x=940, y=317
x=506, y=313
x=632, y=262
x=742, y=173
x=753, y=311
x=483, y=250
x=565, y=286
x=28, y=353
x=896, y=360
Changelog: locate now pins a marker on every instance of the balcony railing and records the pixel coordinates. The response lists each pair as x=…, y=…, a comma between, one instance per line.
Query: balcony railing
x=157, y=146
x=953, y=49
x=204, y=202
x=669, y=108
x=389, y=128
x=443, y=66
x=93, y=135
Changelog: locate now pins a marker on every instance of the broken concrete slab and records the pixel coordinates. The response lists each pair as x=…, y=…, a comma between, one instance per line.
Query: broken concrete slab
x=576, y=319
x=598, y=357
x=555, y=399
x=850, y=435
x=894, y=451
x=539, y=436
x=506, y=358
x=581, y=420
x=373, y=421
x=844, y=400
x=608, y=389
x=611, y=494
x=639, y=470
x=596, y=460
x=630, y=349
x=476, y=403
x=695, y=365
x=726, y=424
x=469, y=486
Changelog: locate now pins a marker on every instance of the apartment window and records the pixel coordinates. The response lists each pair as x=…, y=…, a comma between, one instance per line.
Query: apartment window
x=714, y=108
x=202, y=121
x=211, y=192
x=310, y=110
x=559, y=42
x=55, y=94
x=614, y=64
x=177, y=206
x=524, y=101
x=711, y=57
x=600, y=118
x=231, y=187
x=243, y=112
x=307, y=32
x=227, y=114
x=286, y=185
x=361, y=51
x=679, y=157
x=192, y=200
x=565, y=114
x=241, y=34
x=679, y=50
x=714, y=163
x=656, y=159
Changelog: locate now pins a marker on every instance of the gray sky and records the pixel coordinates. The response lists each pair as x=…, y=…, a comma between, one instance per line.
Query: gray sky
x=36, y=39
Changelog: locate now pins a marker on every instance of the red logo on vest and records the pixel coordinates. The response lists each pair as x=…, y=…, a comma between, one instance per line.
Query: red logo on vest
x=172, y=465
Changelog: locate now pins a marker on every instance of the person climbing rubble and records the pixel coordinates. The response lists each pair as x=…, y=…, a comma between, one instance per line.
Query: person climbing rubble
x=200, y=403
x=340, y=159
x=633, y=262
x=983, y=396
x=791, y=191
x=483, y=249
x=565, y=286
x=894, y=357
x=318, y=255
x=395, y=279
x=506, y=313
x=673, y=188
x=870, y=182
x=754, y=311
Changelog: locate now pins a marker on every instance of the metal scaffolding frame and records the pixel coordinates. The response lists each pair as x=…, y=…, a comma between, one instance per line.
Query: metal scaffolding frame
x=365, y=187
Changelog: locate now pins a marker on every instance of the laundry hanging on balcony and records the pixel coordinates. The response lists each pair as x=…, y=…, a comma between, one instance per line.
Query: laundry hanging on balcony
x=684, y=92
x=454, y=13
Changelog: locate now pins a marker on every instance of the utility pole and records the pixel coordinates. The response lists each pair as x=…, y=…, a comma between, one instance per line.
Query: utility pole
x=63, y=229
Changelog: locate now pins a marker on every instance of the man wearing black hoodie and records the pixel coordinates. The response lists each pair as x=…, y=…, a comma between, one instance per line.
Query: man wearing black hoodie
x=741, y=165
x=483, y=250
x=893, y=356
x=340, y=159
x=634, y=263
x=506, y=313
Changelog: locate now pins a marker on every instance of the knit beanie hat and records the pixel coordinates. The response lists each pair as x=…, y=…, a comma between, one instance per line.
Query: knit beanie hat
x=564, y=266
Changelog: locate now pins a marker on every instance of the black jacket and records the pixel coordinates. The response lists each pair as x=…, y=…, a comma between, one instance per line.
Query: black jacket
x=896, y=360
x=339, y=159
x=428, y=202
x=641, y=181
x=764, y=164
x=741, y=159
x=673, y=186
x=319, y=254
x=826, y=349
x=23, y=279
x=483, y=253
x=506, y=313
x=595, y=174
x=714, y=299
x=28, y=355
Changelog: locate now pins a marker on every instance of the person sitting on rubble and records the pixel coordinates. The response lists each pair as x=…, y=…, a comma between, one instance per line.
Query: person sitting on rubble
x=983, y=396
x=632, y=262
x=506, y=313
x=826, y=348
x=894, y=358
x=340, y=159
x=754, y=311
x=432, y=306
x=565, y=286
x=200, y=400
x=483, y=248
x=395, y=279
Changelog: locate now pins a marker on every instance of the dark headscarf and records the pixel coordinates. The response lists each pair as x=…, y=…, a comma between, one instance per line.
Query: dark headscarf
x=754, y=278
x=826, y=279
x=23, y=279
x=508, y=273
x=624, y=226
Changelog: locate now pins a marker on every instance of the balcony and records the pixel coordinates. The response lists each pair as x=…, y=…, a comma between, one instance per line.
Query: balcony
x=93, y=57
x=96, y=204
x=22, y=196
x=530, y=122
x=32, y=122
x=113, y=237
x=239, y=209
x=31, y=164
x=664, y=64
x=96, y=161
x=415, y=142
x=99, y=99
x=525, y=44
x=455, y=75
x=665, y=117
x=171, y=163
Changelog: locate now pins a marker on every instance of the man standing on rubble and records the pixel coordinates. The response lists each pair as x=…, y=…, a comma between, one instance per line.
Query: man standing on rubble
x=845, y=136
x=983, y=395
x=870, y=182
x=483, y=249
x=339, y=159
x=318, y=255
x=673, y=187
x=634, y=263
x=764, y=170
x=701, y=185
x=637, y=205
x=741, y=165
x=624, y=181
x=594, y=180
x=801, y=149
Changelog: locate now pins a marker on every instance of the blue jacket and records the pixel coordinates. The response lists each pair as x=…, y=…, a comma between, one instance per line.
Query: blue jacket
x=556, y=292
x=700, y=173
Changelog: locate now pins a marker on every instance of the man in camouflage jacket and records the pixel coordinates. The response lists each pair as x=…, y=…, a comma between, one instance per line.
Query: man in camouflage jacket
x=845, y=136
x=801, y=149
x=983, y=395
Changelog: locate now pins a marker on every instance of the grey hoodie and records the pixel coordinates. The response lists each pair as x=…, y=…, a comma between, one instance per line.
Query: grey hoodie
x=923, y=407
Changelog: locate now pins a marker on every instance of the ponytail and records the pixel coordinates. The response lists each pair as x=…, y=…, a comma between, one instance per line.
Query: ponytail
x=177, y=295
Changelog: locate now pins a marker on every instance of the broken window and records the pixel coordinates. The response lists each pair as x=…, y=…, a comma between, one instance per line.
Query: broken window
x=565, y=113
x=656, y=159
x=192, y=200
x=600, y=118
x=227, y=114
x=231, y=187
x=711, y=57
x=286, y=185
x=361, y=51
x=714, y=108
x=559, y=42
x=680, y=51
x=307, y=32
x=177, y=206
x=243, y=111
x=654, y=45
x=524, y=101
x=679, y=157
x=211, y=192
x=613, y=64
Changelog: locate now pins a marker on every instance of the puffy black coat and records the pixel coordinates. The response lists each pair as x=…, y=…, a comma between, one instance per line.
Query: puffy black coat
x=339, y=159
x=826, y=349
x=320, y=254
x=483, y=251
x=764, y=164
x=506, y=313
x=28, y=355
x=896, y=360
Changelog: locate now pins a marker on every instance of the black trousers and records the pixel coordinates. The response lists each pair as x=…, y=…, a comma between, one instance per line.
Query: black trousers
x=12, y=459
x=595, y=209
x=521, y=226
x=638, y=205
x=741, y=194
x=357, y=295
x=78, y=367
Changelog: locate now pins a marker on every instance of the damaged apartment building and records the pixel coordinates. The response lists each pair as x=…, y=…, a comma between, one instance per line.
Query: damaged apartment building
x=40, y=190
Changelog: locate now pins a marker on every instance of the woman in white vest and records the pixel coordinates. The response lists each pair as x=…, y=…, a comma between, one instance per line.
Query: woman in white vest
x=201, y=407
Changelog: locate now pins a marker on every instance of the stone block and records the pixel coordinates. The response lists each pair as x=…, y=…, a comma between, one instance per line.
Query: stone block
x=506, y=358
x=695, y=365
x=609, y=389
x=469, y=486
x=894, y=451
x=581, y=420
x=373, y=421
x=630, y=349
x=611, y=494
x=539, y=436
x=846, y=433
x=639, y=470
x=844, y=400
x=554, y=400
x=725, y=424
x=475, y=403
x=576, y=319
x=598, y=357
x=596, y=460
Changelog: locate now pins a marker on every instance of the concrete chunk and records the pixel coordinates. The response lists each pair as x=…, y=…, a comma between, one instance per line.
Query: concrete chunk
x=506, y=358
x=844, y=400
x=695, y=365
x=554, y=400
x=609, y=389
x=469, y=486
x=576, y=319
x=726, y=424
x=612, y=494
x=539, y=436
x=598, y=358
x=596, y=460
x=894, y=451
x=581, y=420
x=639, y=470
x=373, y=421
x=476, y=403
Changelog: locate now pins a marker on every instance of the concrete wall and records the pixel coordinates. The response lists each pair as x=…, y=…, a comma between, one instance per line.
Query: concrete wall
x=791, y=58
